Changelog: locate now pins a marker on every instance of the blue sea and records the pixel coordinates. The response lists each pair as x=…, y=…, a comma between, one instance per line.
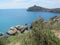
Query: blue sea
x=13, y=17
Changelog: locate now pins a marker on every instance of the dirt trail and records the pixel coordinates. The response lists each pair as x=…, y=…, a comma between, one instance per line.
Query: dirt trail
x=17, y=43
x=57, y=33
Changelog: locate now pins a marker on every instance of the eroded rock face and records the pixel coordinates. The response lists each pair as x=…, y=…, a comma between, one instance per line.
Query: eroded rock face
x=17, y=29
x=21, y=28
x=56, y=19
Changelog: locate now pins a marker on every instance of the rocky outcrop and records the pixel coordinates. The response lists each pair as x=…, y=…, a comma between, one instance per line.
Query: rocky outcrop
x=12, y=31
x=17, y=29
x=54, y=20
x=38, y=8
x=57, y=19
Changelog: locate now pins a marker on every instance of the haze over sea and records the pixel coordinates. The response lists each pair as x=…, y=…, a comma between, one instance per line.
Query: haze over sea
x=13, y=17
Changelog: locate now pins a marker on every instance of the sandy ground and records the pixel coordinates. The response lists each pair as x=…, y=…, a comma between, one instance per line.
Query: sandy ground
x=57, y=33
x=18, y=43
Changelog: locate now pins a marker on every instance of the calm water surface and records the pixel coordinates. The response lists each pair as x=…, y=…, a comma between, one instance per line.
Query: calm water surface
x=12, y=17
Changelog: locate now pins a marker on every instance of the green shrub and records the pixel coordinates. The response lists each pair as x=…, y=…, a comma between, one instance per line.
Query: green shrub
x=3, y=40
x=36, y=37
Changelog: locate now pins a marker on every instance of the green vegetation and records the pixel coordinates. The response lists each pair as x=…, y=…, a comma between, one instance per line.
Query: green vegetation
x=38, y=25
x=49, y=25
x=36, y=37
x=3, y=40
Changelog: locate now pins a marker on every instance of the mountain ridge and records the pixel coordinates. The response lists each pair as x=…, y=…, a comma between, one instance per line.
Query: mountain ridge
x=36, y=8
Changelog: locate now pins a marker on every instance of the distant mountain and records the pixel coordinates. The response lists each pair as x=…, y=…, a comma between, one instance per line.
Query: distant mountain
x=38, y=8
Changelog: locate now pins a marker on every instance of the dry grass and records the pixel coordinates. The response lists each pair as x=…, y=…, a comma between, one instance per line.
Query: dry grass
x=17, y=43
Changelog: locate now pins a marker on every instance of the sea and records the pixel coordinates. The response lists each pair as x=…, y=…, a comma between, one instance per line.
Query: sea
x=13, y=17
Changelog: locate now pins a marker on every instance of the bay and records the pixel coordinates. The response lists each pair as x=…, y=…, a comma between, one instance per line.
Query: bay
x=13, y=17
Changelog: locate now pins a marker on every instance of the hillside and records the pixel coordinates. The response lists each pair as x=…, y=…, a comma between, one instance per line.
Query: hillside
x=39, y=8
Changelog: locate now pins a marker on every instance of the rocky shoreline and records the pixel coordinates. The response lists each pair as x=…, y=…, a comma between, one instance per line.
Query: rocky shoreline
x=16, y=30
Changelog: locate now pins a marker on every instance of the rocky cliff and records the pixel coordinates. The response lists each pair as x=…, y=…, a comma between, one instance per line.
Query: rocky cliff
x=38, y=8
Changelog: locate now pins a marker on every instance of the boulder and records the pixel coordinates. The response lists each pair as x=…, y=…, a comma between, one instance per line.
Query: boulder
x=21, y=28
x=57, y=19
x=17, y=29
x=26, y=31
x=12, y=31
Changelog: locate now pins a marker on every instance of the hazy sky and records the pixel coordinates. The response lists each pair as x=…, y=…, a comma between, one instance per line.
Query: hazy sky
x=6, y=4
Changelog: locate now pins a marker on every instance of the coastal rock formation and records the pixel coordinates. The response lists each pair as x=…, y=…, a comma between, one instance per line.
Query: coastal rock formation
x=12, y=31
x=17, y=29
x=38, y=8
x=55, y=19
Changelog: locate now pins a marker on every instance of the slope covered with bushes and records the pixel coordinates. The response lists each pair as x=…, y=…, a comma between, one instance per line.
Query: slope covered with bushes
x=35, y=37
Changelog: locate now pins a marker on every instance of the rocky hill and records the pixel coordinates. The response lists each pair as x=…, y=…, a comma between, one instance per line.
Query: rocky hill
x=39, y=8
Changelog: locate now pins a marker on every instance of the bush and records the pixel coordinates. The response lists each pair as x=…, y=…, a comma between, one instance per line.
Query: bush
x=36, y=37
x=3, y=40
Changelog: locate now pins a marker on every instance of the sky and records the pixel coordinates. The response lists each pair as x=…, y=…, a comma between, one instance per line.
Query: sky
x=16, y=4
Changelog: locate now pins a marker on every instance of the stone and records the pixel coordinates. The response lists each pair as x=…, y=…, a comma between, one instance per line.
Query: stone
x=17, y=29
x=12, y=31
